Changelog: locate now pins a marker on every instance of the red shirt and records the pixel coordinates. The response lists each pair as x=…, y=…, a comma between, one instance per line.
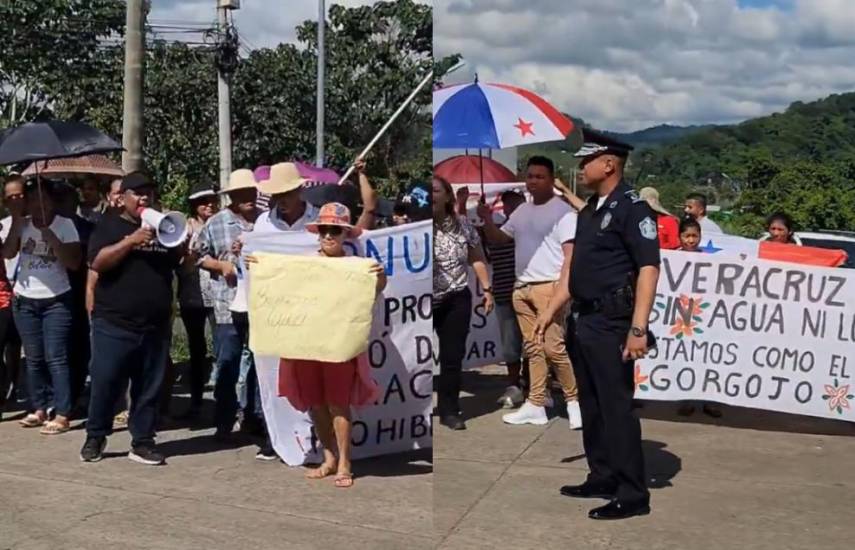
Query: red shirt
x=669, y=232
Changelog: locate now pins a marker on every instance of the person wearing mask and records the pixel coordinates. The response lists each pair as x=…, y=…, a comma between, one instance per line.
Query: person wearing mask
x=130, y=322
x=49, y=247
x=457, y=246
x=696, y=207
x=215, y=249
x=195, y=296
x=668, y=226
x=781, y=229
x=10, y=340
x=543, y=232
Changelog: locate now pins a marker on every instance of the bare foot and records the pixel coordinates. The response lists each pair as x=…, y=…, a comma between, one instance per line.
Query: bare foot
x=322, y=471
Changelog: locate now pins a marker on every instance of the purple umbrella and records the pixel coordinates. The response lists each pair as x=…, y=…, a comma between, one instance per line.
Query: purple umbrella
x=308, y=171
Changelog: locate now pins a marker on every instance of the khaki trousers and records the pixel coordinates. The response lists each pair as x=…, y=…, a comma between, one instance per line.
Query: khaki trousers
x=529, y=301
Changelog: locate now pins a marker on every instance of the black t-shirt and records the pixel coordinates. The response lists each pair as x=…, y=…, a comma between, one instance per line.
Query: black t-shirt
x=137, y=293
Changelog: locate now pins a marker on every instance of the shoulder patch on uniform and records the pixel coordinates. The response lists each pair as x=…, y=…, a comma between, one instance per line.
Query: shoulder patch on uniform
x=647, y=227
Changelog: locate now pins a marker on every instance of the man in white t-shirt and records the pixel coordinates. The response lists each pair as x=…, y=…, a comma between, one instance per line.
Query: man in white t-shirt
x=696, y=207
x=543, y=232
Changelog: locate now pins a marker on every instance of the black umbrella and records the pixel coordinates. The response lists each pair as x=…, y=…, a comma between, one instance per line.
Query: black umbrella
x=52, y=140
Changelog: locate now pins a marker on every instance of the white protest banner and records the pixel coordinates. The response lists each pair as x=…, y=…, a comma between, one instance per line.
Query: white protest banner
x=401, y=351
x=484, y=344
x=753, y=333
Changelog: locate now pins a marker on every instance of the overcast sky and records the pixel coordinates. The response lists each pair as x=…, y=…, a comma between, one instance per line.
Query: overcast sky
x=629, y=64
x=263, y=23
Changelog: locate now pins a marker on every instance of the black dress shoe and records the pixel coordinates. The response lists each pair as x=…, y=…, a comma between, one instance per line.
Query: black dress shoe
x=453, y=421
x=588, y=490
x=620, y=510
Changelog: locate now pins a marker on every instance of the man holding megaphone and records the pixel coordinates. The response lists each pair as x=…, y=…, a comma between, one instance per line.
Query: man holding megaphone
x=131, y=316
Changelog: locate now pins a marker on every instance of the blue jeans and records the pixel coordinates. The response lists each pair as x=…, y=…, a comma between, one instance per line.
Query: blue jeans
x=45, y=327
x=249, y=394
x=229, y=348
x=119, y=356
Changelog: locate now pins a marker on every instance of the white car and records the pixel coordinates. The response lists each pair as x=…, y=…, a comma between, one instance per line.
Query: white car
x=839, y=240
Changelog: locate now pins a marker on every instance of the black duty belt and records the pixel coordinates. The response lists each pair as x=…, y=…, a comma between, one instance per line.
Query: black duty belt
x=619, y=303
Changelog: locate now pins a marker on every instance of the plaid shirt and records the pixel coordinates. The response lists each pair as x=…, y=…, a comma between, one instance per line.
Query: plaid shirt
x=215, y=241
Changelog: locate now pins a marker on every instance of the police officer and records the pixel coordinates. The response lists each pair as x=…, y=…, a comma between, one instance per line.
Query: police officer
x=613, y=276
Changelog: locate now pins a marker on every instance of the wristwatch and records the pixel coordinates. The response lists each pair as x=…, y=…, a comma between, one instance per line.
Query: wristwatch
x=638, y=332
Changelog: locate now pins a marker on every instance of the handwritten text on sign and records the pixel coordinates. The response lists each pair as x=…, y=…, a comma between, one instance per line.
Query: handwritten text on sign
x=310, y=307
x=757, y=334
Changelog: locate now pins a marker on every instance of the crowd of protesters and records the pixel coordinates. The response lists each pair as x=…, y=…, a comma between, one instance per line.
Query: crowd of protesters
x=526, y=255
x=87, y=291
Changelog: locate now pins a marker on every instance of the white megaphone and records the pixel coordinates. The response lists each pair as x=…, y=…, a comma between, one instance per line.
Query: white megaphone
x=170, y=227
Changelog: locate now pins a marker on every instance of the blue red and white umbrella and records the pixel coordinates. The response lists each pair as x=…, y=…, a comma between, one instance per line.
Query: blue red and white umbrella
x=494, y=116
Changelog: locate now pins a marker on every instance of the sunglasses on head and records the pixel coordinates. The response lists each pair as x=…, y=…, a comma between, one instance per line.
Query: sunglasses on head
x=331, y=230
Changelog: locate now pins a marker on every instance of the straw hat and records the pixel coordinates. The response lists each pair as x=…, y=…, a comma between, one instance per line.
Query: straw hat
x=284, y=178
x=651, y=195
x=334, y=213
x=240, y=179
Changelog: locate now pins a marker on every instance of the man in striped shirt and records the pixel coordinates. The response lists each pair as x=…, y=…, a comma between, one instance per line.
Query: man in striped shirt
x=504, y=276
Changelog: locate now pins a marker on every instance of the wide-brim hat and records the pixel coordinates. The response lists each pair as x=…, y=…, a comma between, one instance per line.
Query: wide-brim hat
x=240, y=179
x=284, y=178
x=336, y=214
x=201, y=191
x=651, y=195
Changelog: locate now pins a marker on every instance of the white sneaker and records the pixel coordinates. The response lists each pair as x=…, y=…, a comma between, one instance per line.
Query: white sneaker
x=512, y=398
x=527, y=414
x=575, y=415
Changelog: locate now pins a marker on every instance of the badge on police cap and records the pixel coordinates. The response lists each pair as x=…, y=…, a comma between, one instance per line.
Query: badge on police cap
x=647, y=228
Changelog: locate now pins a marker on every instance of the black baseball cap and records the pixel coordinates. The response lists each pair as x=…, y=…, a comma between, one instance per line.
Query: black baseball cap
x=136, y=180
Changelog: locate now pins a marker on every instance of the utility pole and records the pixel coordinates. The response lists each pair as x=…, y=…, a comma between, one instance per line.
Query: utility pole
x=322, y=23
x=133, y=131
x=227, y=58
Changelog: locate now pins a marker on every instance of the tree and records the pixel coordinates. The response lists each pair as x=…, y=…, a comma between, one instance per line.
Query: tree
x=50, y=50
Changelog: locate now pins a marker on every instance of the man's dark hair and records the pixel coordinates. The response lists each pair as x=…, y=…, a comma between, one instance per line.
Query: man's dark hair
x=510, y=194
x=700, y=197
x=689, y=223
x=540, y=160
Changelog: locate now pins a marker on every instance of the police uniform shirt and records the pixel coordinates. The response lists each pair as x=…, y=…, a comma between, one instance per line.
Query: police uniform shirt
x=613, y=242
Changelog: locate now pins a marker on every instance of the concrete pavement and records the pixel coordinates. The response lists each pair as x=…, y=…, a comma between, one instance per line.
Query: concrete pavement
x=750, y=480
x=207, y=497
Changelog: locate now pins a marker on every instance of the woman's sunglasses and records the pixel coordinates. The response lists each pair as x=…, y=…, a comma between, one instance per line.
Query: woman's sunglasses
x=331, y=230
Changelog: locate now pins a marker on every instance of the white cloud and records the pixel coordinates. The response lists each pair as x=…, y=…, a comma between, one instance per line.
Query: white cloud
x=628, y=64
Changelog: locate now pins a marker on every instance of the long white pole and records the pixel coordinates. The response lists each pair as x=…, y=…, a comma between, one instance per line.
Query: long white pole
x=319, y=147
x=224, y=111
x=389, y=123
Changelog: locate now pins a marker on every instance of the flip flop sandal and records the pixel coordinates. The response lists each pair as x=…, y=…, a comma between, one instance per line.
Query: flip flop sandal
x=320, y=472
x=31, y=421
x=54, y=428
x=343, y=481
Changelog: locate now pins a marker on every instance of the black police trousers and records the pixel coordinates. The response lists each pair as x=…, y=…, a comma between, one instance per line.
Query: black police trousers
x=611, y=430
